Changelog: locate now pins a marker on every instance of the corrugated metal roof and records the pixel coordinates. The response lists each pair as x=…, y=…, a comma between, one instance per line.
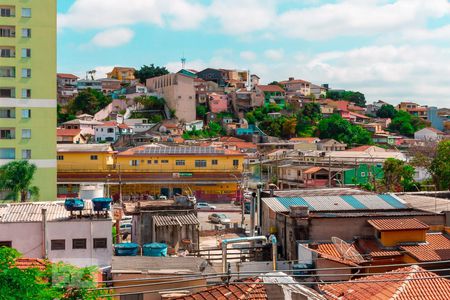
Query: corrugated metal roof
x=319, y=192
x=336, y=203
x=175, y=220
x=32, y=211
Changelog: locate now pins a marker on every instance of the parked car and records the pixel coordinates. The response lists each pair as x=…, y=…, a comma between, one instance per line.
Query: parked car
x=125, y=228
x=205, y=206
x=219, y=219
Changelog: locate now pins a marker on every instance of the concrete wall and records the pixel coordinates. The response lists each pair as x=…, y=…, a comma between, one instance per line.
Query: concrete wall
x=27, y=239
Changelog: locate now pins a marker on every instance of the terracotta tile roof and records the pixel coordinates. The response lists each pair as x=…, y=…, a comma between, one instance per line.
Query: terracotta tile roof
x=358, y=115
x=230, y=139
x=294, y=81
x=437, y=247
x=270, y=88
x=313, y=170
x=67, y=76
x=310, y=140
x=67, y=132
x=374, y=249
x=25, y=263
x=113, y=124
x=252, y=290
x=400, y=284
x=329, y=251
x=398, y=224
x=360, y=148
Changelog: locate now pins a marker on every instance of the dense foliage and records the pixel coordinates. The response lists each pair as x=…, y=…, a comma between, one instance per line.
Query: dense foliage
x=88, y=101
x=351, y=96
x=17, y=177
x=57, y=281
x=398, y=176
x=201, y=111
x=406, y=124
x=440, y=166
x=386, y=111
x=335, y=127
x=307, y=118
x=213, y=130
x=146, y=72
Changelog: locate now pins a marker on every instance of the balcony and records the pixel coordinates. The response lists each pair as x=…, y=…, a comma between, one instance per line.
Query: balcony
x=7, y=52
x=7, y=31
x=7, y=134
x=7, y=92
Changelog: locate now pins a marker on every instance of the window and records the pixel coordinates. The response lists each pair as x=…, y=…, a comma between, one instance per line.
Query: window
x=6, y=244
x=164, y=161
x=26, y=12
x=26, y=32
x=26, y=52
x=200, y=163
x=180, y=163
x=58, y=245
x=214, y=162
x=26, y=154
x=363, y=174
x=100, y=243
x=6, y=53
x=26, y=133
x=149, y=162
x=26, y=113
x=79, y=244
x=94, y=157
x=26, y=93
x=155, y=161
x=60, y=157
x=235, y=162
x=7, y=153
x=26, y=73
x=134, y=162
x=6, y=12
x=110, y=130
x=7, y=113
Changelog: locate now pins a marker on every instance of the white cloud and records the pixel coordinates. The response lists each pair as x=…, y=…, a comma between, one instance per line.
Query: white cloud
x=248, y=55
x=274, y=54
x=100, y=72
x=113, y=37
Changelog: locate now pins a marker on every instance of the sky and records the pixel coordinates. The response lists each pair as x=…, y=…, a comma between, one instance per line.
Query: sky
x=389, y=50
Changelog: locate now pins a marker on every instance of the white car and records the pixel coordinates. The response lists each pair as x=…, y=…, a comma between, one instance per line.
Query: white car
x=205, y=206
x=219, y=219
x=125, y=228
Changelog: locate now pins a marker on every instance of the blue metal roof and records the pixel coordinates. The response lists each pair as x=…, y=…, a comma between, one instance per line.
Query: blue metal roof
x=392, y=201
x=287, y=202
x=353, y=202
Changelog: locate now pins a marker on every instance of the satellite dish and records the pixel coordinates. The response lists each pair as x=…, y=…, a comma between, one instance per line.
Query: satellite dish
x=346, y=250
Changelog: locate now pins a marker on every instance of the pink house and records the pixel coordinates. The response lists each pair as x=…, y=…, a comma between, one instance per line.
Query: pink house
x=217, y=103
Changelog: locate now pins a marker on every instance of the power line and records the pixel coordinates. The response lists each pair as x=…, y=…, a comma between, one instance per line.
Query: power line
x=277, y=283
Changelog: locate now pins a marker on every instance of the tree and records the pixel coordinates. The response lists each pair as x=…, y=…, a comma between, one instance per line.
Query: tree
x=406, y=124
x=307, y=119
x=386, y=111
x=398, y=176
x=146, y=72
x=288, y=127
x=88, y=101
x=440, y=166
x=335, y=127
x=63, y=116
x=57, y=281
x=201, y=111
x=17, y=177
x=356, y=97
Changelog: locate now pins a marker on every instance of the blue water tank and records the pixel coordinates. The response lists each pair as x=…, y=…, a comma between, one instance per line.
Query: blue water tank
x=102, y=204
x=126, y=249
x=74, y=204
x=154, y=249
x=301, y=269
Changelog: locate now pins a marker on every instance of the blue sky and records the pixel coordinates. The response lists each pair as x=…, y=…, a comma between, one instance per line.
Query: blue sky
x=390, y=50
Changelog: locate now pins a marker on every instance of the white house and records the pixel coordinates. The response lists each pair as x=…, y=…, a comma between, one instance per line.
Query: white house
x=429, y=134
x=85, y=241
x=194, y=125
x=110, y=131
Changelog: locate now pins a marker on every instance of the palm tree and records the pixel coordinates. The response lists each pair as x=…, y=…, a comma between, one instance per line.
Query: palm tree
x=16, y=177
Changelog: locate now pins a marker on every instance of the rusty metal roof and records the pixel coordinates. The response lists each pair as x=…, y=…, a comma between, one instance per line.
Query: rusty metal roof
x=175, y=220
x=32, y=212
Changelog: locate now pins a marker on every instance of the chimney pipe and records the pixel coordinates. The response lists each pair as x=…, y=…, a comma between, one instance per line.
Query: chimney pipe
x=44, y=233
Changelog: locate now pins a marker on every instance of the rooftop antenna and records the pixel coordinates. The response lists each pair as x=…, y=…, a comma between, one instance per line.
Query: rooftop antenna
x=183, y=62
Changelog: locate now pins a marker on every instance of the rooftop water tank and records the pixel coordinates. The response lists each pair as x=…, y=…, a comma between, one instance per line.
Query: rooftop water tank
x=126, y=249
x=154, y=249
x=74, y=204
x=102, y=204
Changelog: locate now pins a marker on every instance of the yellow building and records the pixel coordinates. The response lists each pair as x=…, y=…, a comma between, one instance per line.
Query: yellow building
x=122, y=73
x=209, y=173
